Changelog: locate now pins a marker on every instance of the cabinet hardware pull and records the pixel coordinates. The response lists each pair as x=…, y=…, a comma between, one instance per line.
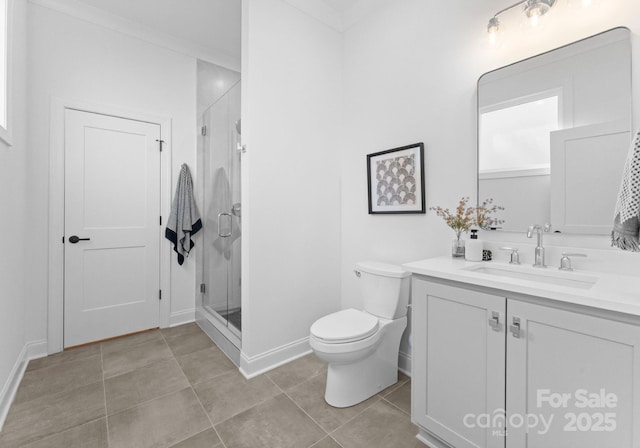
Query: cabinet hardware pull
x=494, y=322
x=515, y=328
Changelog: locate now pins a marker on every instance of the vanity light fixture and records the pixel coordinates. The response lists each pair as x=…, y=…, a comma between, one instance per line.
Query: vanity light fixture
x=534, y=9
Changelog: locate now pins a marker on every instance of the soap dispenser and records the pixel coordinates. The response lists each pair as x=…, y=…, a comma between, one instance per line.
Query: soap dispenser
x=473, y=247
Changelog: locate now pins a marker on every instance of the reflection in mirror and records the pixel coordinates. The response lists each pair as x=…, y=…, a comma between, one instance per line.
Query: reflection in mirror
x=553, y=135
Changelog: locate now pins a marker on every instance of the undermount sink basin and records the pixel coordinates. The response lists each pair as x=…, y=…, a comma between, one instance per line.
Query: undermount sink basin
x=549, y=276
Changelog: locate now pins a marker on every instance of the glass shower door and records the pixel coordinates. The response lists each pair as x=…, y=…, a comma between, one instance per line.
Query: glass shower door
x=222, y=212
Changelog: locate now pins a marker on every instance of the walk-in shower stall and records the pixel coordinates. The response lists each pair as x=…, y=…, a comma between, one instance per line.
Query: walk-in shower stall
x=219, y=281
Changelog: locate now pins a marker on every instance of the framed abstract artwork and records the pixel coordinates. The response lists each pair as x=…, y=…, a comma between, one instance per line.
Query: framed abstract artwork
x=396, y=180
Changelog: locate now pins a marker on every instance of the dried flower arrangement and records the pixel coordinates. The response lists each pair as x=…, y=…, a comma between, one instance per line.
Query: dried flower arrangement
x=483, y=214
x=466, y=217
x=461, y=220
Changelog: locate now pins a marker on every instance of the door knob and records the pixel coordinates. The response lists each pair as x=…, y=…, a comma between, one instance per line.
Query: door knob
x=74, y=239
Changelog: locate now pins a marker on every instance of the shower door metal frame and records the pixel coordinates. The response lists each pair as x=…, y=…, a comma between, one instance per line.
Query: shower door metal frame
x=214, y=324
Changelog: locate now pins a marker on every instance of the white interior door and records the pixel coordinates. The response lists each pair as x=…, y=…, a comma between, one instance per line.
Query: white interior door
x=586, y=167
x=112, y=203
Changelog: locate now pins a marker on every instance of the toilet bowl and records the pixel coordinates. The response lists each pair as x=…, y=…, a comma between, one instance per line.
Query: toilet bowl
x=361, y=346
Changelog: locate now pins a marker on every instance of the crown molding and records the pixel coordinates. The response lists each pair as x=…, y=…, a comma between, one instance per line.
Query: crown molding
x=137, y=30
x=339, y=21
x=320, y=11
x=361, y=10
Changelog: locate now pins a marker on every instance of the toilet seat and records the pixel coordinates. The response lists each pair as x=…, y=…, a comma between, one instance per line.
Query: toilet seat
x=345, y=326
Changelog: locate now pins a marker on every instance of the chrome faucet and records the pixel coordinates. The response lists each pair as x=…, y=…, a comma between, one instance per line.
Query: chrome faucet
x=539, y=256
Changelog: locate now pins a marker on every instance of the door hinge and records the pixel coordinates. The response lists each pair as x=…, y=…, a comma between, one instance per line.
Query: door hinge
x=203, y=288
x=203, y=130
x=160, y=143
x=160, y=219
x=160, y=294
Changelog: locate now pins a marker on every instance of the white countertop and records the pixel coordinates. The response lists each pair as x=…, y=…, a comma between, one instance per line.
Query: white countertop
x=618, y=293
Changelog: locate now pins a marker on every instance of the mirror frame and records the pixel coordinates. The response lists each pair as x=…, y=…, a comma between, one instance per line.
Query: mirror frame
x=631, y=112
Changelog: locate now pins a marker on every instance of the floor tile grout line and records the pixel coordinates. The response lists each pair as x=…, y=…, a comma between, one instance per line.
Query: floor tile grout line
x=15, y=403
x=327, y=436
x=138, y=367
x=135, y=344
x=244, y=409
x=358, y=414
x=326, y=433
x=142, y=366
x=396, y=406
x=150, y=400
x=329, y=433
x=395, y=387
x=55, y=434
x=154, y=398
x=194, y=384
x=195, y=394
x=104, y=391
x=208, y=417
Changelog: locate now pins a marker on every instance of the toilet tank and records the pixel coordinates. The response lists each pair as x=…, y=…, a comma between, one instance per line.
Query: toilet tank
x=384, y=288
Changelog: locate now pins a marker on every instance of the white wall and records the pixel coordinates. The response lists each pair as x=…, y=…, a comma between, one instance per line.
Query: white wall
x=410, y=75
x=14, y=228
x=76, y=60
x=213, y=82
x=292, y=110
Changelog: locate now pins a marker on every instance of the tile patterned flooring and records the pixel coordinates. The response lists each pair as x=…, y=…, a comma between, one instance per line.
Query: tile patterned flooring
x=175, y=388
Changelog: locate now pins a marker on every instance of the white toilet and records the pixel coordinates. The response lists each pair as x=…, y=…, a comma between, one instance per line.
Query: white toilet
x=361, y=347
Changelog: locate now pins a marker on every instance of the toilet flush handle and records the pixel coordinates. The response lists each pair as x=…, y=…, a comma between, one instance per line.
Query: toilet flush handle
x=358, y=274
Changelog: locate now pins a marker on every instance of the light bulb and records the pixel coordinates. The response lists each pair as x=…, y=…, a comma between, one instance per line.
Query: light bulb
x=534, y=19
x=536, y=8
x=586, y=3
x=492, y=29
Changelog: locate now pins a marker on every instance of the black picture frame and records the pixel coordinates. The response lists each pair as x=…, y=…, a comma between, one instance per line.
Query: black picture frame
x=395, y=180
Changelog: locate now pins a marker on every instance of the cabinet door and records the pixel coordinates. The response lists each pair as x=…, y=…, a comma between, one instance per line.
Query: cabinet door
x=458, y=364
x=572, y=380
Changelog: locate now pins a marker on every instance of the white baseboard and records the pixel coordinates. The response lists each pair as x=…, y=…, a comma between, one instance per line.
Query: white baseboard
x=11, y=386
x=430, y=441
x=253, y=366
x=31, y=350
x=37, y=349
x=182, y=317
x=404, y=363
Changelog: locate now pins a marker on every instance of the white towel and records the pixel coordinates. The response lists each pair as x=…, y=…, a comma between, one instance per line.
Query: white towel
x=626, y=225
x=184, y=220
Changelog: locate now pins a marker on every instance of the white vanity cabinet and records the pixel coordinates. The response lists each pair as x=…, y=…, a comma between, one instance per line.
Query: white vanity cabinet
x=566, y=378
x=578, y=372
x=458, y=362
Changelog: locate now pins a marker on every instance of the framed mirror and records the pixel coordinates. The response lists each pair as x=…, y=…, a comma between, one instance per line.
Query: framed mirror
x=553, y=135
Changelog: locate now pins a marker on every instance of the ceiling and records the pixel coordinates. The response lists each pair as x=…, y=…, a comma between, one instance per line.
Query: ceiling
x=341, y=5
x=338, y=14
x=211, y=24
x=211, y=28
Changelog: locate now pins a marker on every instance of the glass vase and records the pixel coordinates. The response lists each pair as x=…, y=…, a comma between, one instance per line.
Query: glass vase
x=457, y=248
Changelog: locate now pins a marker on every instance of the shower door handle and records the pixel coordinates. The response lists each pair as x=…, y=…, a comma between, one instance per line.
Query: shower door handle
x=226, y=235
